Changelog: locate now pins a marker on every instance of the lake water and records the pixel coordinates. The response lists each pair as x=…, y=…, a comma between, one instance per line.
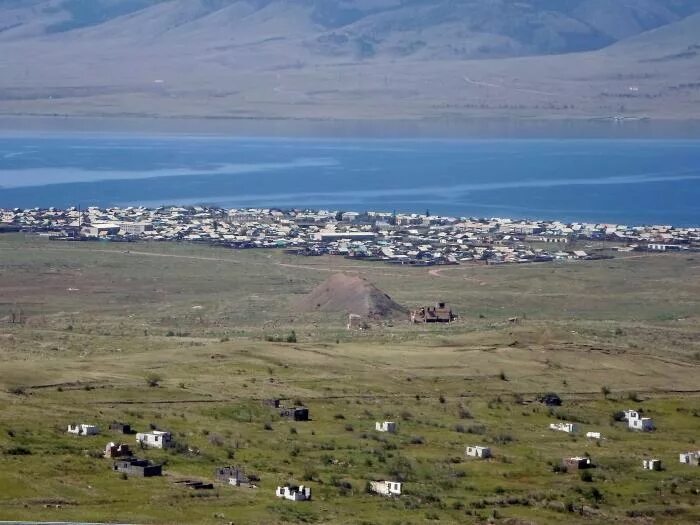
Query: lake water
x=608, y=180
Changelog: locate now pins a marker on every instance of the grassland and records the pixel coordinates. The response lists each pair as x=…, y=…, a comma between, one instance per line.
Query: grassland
x=99, y=318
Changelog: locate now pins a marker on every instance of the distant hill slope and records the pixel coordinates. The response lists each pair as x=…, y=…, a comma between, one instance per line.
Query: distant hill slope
x=344, y=59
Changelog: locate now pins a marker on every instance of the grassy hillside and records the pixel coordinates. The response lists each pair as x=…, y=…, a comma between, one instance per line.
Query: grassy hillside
x=101, y=321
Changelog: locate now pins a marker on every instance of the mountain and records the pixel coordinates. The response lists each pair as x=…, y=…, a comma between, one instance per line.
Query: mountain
x=345, y=59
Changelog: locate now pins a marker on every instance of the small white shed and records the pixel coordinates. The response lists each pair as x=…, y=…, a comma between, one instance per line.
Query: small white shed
x=478, y=452
x=651, y=464
x=155, y=439
x=82, y=429
x=385, y=426
x=386, y=488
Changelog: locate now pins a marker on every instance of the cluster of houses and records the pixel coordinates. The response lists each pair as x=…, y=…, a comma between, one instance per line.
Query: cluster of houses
x=413, y=239
x=127, y=464
x=636, y=422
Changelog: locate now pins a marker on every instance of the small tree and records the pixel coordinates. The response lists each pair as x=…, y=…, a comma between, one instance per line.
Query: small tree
x=153, y=380
x=605, y=390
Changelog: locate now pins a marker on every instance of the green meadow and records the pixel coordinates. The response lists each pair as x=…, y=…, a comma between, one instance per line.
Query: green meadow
x=180, y=337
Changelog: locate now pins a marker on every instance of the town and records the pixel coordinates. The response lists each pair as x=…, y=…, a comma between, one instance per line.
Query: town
x=398, y=238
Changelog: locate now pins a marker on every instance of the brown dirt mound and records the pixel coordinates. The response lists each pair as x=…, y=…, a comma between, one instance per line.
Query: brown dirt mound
x=351, y=294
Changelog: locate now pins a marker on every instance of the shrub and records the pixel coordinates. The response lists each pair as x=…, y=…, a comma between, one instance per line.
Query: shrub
x=460, y=428
x=216, y=439
x=441, y=399
x=349, y=428
x=476, y=429
x=586, y=476
x=18, y=451
x=267, y=426
x=17, y=391
x=503, y=376
x=153, y=379
x=292, y=337
x=417, y=440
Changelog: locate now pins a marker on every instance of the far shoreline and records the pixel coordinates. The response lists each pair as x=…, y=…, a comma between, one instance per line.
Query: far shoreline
x=457, y=128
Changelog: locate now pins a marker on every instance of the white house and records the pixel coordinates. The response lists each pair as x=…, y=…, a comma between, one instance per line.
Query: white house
x=81, y=429
x=478, y=452
x=651, y=464
x=593, y=435
x=155, y=439
x=636, y=422
x=385, y=426
x=631, y=414
x=564, y=427
x=294, y=494
x=690, y=458
x=386, y=488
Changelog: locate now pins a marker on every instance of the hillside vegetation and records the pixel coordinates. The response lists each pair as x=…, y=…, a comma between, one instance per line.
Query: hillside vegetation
x=192, y=338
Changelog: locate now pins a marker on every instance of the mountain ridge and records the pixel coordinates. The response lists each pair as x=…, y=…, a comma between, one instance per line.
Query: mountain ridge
x=341, y=59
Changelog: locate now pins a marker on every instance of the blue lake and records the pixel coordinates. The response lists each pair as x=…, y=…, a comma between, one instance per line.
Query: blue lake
x=634, y=181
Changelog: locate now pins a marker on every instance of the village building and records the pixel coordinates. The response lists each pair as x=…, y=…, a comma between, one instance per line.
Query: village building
x=651, y=464
x=295, y=413
x=564, y=427
x=690, y=458
x=577, y=463
x=593, y=435
x=121, y=428
x=635, y=421
x=440, y=313
x=232, y=476
x=385, y=426
x=155, y=439
x=138, y=467
x=301, y=493
x=386, y=488
x=478, y=452
x=82, y=429
x=117, y=450
x=354, y=322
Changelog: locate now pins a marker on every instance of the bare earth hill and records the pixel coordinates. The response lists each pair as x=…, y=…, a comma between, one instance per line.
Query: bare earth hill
x=351, y=294
x=351, y=59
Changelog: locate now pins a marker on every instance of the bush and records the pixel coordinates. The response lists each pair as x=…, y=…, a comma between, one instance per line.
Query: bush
x=216, y=440
x=292, y=337
x=153, y=380
x=586, y=476
x=349, y=428
x=417, y=440
x=476, y=429
x=17, y=391
x=18, y=451
x=267, y=426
